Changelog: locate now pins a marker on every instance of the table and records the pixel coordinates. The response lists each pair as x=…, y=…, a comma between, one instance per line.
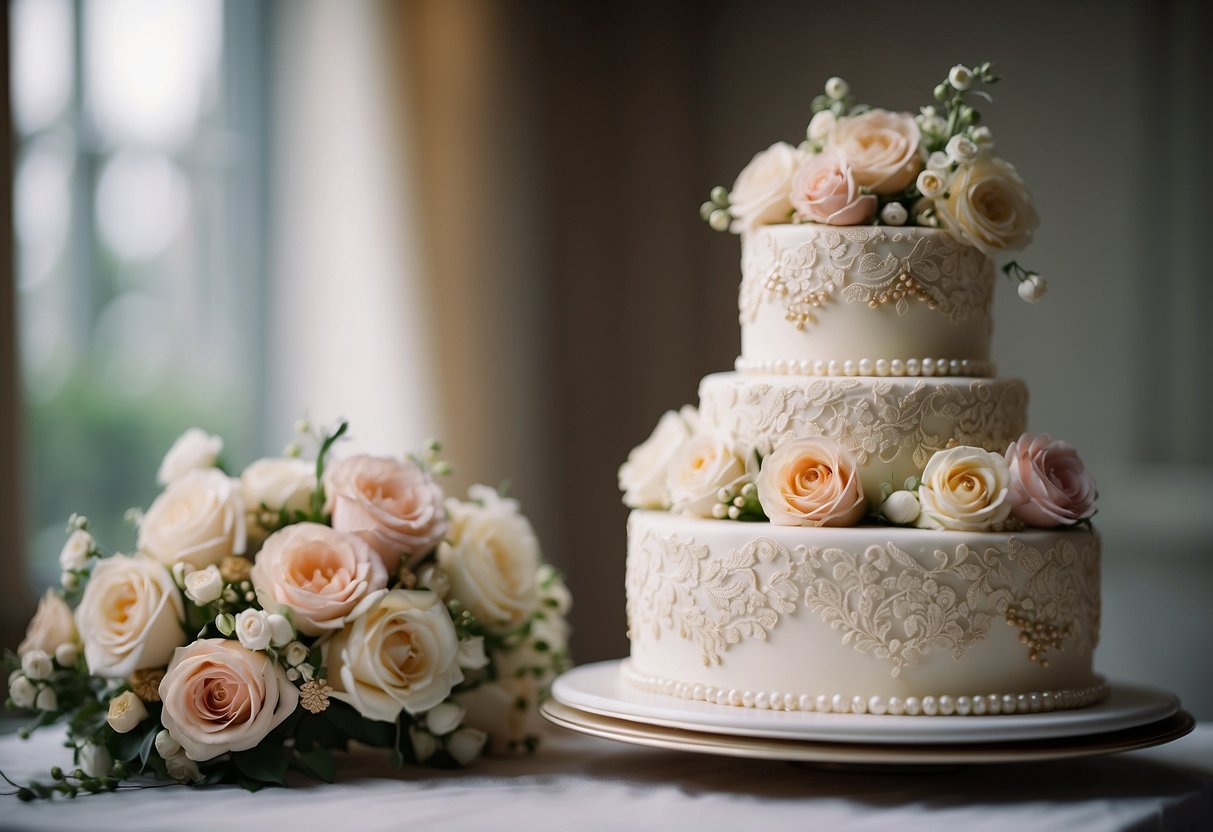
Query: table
x=581, y=783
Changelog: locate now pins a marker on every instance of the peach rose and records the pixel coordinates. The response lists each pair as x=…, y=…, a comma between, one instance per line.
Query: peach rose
x=760, y=194
x=704, y=464
x=824, y=190
x=1051, y=486
x=130, y=616
x=199, y=519
x=401, y=655
x=880, y=147
x=51, y=626
x=219, y=697
x=811, y=481
x=392, y=504
x=323, y=576
x=965, y=488
x=989, y=206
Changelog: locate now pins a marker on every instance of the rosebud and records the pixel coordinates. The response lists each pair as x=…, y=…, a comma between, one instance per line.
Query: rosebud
x=901, y=507
x=125, y=712
x=894, y=213
x=1033, y=288
x=836, y=88
x=960, y=77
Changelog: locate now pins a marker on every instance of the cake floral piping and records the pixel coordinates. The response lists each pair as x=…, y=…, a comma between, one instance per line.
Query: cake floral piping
x=866, y=367
x=989, y=704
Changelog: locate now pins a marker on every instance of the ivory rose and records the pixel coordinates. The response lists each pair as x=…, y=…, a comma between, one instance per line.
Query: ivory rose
x=77, y=550
x=491, y=558
x=193, y=449
x=219, y=697
x=130, y=616
x=392, y=504
x=881, y=148
x=198, y=519
x=965, y=488
x=273, y=484
x=401, y=654
x=1051, y=486
x=323, y=576
x=51, y=626
x=989, y=206
x=760, y=194
x=812, y=481
x=825, y=190
x=642, y=479
x=704, y=464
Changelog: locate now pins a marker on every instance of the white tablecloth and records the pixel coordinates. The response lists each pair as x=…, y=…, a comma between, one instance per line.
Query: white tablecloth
x=578, y=783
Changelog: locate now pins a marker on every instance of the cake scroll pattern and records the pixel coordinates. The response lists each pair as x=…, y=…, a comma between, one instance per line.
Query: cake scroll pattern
x=881, y=600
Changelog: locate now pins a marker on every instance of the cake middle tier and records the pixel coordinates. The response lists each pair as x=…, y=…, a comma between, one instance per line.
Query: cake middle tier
x=892, y=425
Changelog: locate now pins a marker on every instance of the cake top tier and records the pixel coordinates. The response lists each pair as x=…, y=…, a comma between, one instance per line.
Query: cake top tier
x=913, y=194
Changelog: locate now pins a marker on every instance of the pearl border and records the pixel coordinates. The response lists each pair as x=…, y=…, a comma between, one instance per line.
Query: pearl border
x=990, y=704
x=866, y=367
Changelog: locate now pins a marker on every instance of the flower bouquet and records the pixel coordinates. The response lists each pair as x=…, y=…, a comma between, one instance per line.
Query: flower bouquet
x=267, y=619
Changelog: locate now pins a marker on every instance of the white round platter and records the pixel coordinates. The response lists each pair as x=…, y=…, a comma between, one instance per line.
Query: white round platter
x=600, y=689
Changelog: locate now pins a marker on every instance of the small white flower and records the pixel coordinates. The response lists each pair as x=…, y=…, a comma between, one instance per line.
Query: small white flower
x=961, y=149
x=982, y=135
x=901, y=507
x=69, y=580
x=927, y=112
x=77, y=521
x=281, y=631
x=938, y=161
x=76, y=550
x=182, y=769
x=22, y=692
x=66, y=654
x=125, y=712
x=47, y=699
x=296, y=653
x=306, y=672
x=36, y=664
x=96, y=760
x=931, y=183
x=894, y=213
x=193, y=449
x=821, y=126
x=202, y=586
x=253, y=629
x=960, y=77
x=466, y=743
x=443, y=719
x=836, y=88
x=424, y=744
x=166, y=746
x=292, y=674
x=1033, y=289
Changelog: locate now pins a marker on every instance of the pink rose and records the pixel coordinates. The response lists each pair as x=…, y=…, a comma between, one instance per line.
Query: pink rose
x=1050, y=484
x=220, y=697
x=392, y=504
x=811, y=482
x=881, y=147
x=321, y=575
x=824, y=190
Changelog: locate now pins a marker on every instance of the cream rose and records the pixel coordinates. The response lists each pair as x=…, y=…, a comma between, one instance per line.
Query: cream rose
x=965, y=488
x=199, y=519
x=704, y=464
x=219, y=697
x=130, y=616
x=825, y=190
x=760, y=194
x=642, y=479
x=881, y=148
x=126, y=710
x=1050, y=485
x=811, y=481
x=392, y=504
x=320, y=574
x=989, y=207
x=77, y=550
x=491, y=558
x=51, y=626
x=401, y=654
x=273, y=484
x=193, y=449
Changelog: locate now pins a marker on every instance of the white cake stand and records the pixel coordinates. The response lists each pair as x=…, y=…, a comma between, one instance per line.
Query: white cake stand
x=595, y=699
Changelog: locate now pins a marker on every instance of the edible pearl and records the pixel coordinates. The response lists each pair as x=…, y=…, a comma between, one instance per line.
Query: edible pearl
x=941, y=366
x=838, y=704
x=734, y=697
x=913, y=706
x=761, y=701
x=805, y=702
x=747, y=699
x=929, y=706
x=819, y=368
x=897, y=367
x=912, y=367
x=876, y=705
x=858, y=705
x=1034, y=704
x=865, y=366
x=806, y=366
x=835, y=368
x=882, y=367
x=895, y=706
x=947, y=705
x=964, y=706
x=928, y=367
x=848, y=367
x=823, y=703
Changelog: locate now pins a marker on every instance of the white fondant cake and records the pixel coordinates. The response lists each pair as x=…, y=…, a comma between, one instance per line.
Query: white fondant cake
x=855, y=520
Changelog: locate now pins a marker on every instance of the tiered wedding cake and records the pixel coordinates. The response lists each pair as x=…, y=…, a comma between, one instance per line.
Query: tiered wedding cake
x=855, y=521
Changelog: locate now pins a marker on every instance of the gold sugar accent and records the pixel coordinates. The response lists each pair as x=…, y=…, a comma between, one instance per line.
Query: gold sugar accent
x=146, y=683
x=314, y=696
x=235, y=569
x=1038, y=636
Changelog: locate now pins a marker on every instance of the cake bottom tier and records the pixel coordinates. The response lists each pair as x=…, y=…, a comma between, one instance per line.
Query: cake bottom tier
x=866, y=619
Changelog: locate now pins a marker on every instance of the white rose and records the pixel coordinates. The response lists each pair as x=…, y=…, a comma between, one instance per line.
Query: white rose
x=253, y=629
x=36, y=664
x=76, y=550
x=125, y=712
x=642, y=479
x=96, y=760
x=961, y=149
x=51, y=626
x=22, y=691
x=130, y=616
x=931, y=183
x=202, y=586
x=281, y=630
x=443, y=719
x=401, y=655
x=901, y=507
x=703, y=465
x=199, y=519
x=989, y=207
x=277, y=484
x=760, y=194
x=193, y=449
x=492, y=558
x=47, y=700
x=821, y=125
x=296, y=653
x=938, y=160
x=965, y=488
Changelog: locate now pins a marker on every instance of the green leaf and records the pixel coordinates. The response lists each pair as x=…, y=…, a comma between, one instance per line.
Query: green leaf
x=354, y=726
x=317, y=763
x=267, y=763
